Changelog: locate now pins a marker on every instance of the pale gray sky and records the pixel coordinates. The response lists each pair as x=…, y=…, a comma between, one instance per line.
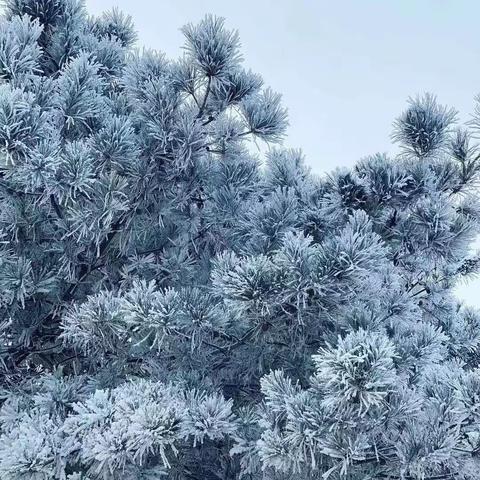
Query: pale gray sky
x=345, y=68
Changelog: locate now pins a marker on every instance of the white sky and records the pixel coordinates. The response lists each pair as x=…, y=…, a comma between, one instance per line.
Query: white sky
x=345, y=67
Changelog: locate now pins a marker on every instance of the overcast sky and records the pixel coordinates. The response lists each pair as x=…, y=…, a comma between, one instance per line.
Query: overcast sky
x=345, y=68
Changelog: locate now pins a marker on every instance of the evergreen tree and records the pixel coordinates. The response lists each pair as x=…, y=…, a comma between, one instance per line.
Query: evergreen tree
x=175, y=305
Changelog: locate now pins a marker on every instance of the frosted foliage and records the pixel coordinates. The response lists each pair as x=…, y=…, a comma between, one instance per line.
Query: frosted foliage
x=176, y=304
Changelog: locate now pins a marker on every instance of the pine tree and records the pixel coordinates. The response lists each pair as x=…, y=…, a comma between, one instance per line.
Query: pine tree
x=175, y=304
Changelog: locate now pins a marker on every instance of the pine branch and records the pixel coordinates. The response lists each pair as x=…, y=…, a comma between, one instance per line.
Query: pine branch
x=205, y=97
x=56, y=207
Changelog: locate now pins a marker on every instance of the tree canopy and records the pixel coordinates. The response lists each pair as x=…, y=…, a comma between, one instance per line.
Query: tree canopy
x=176, y=302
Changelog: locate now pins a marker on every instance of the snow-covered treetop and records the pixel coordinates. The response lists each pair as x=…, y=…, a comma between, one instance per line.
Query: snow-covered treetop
x=174, y=304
